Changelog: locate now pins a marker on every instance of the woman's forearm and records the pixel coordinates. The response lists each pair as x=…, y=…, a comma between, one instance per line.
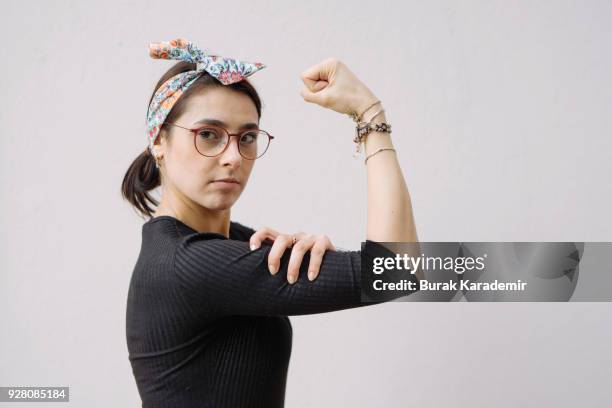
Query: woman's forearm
x=390, y=216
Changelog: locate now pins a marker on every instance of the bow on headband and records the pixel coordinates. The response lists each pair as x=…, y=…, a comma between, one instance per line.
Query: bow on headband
x=226, y=70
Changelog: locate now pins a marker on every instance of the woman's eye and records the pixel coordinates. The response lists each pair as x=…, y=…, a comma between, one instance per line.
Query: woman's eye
x=207, y=135
x=248, y=138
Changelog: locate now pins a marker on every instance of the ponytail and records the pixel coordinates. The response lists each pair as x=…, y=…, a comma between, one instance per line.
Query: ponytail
x=141, y=177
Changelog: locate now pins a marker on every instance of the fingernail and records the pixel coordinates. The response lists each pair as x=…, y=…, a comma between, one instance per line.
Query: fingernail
x=291, y=279
x=310, y=275
x=252, y=247
x=272, y=269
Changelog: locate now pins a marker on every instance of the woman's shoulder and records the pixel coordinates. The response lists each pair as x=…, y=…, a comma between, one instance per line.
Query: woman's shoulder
x=240, y=231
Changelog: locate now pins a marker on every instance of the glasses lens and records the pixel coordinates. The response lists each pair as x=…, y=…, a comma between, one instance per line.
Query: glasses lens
x=254, y=143
x=210, y=141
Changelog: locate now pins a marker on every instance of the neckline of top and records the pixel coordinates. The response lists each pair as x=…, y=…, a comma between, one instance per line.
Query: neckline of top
x=171, y=218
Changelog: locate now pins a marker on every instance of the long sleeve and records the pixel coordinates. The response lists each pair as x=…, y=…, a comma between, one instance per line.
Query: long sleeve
x=226, y=278
x=206, y=322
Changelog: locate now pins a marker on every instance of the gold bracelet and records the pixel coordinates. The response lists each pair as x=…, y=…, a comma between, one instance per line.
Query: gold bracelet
x=356, y=117
x=375, y=115
x=376, y=152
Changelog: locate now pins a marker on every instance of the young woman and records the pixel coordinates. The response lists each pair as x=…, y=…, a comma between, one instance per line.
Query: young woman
x=208, y=300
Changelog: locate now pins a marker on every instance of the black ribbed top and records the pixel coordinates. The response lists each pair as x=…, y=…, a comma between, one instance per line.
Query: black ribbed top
x=206, y=322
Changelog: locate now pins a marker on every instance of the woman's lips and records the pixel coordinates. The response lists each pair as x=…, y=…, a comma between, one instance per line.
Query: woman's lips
x=226, y=183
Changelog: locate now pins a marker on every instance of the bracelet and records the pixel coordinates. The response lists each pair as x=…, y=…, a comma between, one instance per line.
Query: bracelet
x=372, y=118
x=377, y=113
x=364, y=128
x=356, y=117
x=371, y=127
x=376, y=152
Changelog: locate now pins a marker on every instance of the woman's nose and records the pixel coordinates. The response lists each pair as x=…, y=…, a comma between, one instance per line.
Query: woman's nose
x=232, y=153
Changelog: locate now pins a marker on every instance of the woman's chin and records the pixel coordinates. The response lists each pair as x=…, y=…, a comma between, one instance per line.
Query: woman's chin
x=220, y=201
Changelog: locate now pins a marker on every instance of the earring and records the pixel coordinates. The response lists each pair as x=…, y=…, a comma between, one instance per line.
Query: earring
x=157, y=160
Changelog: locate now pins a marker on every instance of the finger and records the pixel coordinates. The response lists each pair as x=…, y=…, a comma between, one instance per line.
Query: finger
x=316, y=258
x=328, y=244
x=261, y=235
x=310, y=82
x=316, y=80
x=321, y=245
x=281, y=243
x=315, y=87
x=320, y=98
x=297, y=255
x=316, y=73
x=300, y=235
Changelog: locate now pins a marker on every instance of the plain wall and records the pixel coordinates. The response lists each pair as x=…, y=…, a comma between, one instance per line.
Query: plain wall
x=501, y=119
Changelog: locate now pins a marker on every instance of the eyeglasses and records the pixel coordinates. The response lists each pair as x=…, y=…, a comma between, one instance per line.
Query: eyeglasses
x=211, y=141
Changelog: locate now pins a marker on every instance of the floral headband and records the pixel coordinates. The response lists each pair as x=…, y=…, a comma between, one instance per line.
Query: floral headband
x=226, y=70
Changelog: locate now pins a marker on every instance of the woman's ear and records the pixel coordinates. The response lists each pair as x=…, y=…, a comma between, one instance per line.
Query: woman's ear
x=158, y=151
x=159, y=147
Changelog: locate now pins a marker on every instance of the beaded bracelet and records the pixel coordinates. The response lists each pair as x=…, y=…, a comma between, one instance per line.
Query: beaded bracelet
x=364, y=128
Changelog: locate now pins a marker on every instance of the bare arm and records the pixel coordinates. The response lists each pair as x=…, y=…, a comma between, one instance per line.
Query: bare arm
x=389, y=215
x=389, y=207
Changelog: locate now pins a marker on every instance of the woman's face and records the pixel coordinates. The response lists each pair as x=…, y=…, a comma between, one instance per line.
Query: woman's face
x=188, y=175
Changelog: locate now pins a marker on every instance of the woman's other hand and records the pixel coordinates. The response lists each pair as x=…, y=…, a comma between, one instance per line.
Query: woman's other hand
x=316, y=244
x=332, y=85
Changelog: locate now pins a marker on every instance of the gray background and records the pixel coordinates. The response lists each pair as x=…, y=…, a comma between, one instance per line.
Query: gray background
x=501, y=118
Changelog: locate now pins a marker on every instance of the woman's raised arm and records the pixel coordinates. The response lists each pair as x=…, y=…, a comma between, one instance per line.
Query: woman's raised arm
x=332, y=85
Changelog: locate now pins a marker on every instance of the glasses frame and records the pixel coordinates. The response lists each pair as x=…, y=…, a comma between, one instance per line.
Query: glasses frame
x=229, y=138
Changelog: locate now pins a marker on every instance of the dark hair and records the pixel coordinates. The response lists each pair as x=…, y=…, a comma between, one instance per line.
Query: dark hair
x=142, y=175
